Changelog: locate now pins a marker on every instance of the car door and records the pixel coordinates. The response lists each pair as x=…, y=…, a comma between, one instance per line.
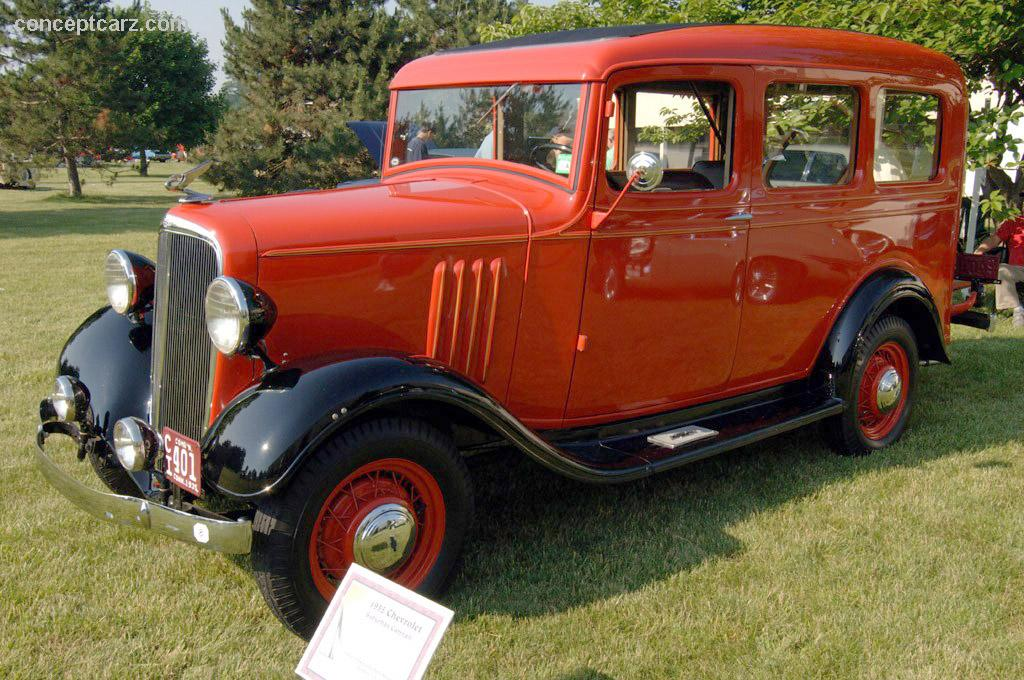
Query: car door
x=661, y=305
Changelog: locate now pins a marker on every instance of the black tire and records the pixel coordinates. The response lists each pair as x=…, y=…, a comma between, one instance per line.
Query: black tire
x=283, y=525
x=845, y=433
x=113, y=475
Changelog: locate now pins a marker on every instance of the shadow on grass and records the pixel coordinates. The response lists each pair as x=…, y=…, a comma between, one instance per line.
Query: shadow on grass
x=70, y=221
x=92, y=199
x=545, y=544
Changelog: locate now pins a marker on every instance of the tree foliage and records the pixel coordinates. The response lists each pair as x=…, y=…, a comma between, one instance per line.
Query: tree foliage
x=68, y=93
x=433, y=25
x=160, y=92
x=305, y=67
x=51, y=83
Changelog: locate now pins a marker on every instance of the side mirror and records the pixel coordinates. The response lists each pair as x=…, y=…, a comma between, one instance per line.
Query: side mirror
x=647, y=169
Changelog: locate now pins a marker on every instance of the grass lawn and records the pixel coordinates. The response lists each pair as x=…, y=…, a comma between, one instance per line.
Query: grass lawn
x=777, y=560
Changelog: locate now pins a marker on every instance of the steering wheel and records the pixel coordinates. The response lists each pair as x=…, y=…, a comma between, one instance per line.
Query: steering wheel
x=541, y=161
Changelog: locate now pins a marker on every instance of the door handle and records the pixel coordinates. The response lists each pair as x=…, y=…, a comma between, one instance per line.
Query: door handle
x=739, y=217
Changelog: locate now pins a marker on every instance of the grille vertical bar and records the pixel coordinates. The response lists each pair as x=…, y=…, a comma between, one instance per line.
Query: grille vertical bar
x=183, y=353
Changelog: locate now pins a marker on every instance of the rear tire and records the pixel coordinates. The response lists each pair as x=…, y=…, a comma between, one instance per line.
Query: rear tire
x=865, y=426
x=305, y=536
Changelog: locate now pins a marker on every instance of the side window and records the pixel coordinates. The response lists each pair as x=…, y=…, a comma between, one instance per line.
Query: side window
x=906, y=137
x=687, y=124
x=809, y=134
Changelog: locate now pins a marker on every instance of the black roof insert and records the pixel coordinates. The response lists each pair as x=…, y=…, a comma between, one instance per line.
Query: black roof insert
x=571, y=36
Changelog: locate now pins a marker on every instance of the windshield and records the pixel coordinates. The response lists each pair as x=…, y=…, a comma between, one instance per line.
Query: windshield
x=532, y=124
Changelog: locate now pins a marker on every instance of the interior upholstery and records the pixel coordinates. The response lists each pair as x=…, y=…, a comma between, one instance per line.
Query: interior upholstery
x=713, y=171
x=674, y=180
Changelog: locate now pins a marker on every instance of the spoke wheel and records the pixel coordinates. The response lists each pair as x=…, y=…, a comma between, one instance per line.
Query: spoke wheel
x=390, y=494
x=388, y=515
x=877, y=384
x=882, y=395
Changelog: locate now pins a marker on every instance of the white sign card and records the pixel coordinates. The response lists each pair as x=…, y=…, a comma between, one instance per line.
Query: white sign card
x=374, y=628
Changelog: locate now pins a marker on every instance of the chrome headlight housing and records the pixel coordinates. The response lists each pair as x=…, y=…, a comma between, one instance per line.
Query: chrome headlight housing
x=70, y=399
x=237, y=315
x=136, y=444
x=129, y=281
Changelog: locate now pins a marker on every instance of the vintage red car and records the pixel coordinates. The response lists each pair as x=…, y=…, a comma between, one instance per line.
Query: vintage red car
x=615, y=250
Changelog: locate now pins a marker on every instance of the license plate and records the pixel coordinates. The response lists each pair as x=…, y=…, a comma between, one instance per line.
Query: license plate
x=182, y=461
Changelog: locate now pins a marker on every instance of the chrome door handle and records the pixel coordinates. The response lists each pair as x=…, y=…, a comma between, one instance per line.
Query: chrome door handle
x=740, y=217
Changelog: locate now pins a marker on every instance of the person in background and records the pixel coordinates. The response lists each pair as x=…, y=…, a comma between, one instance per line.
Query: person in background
x=419, y=147
x=1010, y=234
x=182, y=156
x=562, y=138
x=486, y=148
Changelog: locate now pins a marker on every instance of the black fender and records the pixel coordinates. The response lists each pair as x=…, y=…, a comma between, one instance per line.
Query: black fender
x=111, y=355
x=892, y=291
x=262, y=437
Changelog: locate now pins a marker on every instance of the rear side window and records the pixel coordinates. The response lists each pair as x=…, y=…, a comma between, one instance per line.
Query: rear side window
x=809, y=133
x=906, y=137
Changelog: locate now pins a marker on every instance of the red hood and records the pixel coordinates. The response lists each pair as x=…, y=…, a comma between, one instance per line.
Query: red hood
x=408, y=212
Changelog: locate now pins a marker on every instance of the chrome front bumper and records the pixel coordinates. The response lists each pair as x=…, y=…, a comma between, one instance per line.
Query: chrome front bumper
x=220, y=535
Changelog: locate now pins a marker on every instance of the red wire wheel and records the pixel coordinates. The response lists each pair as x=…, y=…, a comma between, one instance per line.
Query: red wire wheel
x=390, y=487
x=877, y=420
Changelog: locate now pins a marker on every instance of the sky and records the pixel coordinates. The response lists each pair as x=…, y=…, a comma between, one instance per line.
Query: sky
x=203, y=17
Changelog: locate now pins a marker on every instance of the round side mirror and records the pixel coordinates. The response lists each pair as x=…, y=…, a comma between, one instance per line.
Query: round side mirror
x=648, y=170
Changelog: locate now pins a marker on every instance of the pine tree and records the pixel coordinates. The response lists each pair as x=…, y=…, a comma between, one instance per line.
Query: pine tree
x=433, y=25
x=305, y=67
x=51, y=82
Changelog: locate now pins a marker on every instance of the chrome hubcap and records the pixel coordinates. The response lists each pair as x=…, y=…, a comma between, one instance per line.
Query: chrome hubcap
x=887, y=394
x=385, y=538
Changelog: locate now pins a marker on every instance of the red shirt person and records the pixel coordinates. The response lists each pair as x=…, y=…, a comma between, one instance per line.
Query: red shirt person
x=1010, y=234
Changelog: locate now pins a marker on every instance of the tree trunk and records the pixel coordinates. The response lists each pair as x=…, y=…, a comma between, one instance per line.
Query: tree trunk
x=143, y=164
x=1012, y=189
x=74, y=182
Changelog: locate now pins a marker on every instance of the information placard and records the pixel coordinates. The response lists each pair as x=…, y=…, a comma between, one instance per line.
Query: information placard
x=374, y=628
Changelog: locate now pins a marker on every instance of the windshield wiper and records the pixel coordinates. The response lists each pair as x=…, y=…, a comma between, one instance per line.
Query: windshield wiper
x=497, y=101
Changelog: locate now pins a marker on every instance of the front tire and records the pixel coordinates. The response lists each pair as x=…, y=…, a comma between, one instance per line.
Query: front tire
x=392, y=494
x=879, y=390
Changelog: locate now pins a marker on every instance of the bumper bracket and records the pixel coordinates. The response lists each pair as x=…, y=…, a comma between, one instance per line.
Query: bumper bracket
x=219, y=535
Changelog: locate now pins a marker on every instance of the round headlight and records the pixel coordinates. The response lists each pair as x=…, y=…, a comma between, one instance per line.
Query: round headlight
x=129, y=281
x=237, y=315
x=69, y=398
x=227, y=315
x=135, y=444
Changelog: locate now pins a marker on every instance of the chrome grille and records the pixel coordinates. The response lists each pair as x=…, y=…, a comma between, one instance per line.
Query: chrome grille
x=182, y=351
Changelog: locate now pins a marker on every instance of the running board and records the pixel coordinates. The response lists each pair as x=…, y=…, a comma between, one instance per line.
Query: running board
x=638, y=453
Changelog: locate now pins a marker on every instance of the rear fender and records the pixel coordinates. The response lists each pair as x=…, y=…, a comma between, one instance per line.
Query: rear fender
x=888, y=291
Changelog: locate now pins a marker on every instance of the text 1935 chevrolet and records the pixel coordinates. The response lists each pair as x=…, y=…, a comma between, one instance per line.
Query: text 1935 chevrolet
x=615, y=250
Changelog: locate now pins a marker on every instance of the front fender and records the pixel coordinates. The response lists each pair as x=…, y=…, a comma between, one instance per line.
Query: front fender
x=110, y=355
x=264, y=434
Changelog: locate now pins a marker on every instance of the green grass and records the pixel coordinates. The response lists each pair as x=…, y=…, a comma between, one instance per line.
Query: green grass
x=778, y=560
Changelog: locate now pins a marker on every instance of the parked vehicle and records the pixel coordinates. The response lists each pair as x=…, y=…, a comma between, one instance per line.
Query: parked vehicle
x=158, y=156
x=622, y=250
x=16, y=175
